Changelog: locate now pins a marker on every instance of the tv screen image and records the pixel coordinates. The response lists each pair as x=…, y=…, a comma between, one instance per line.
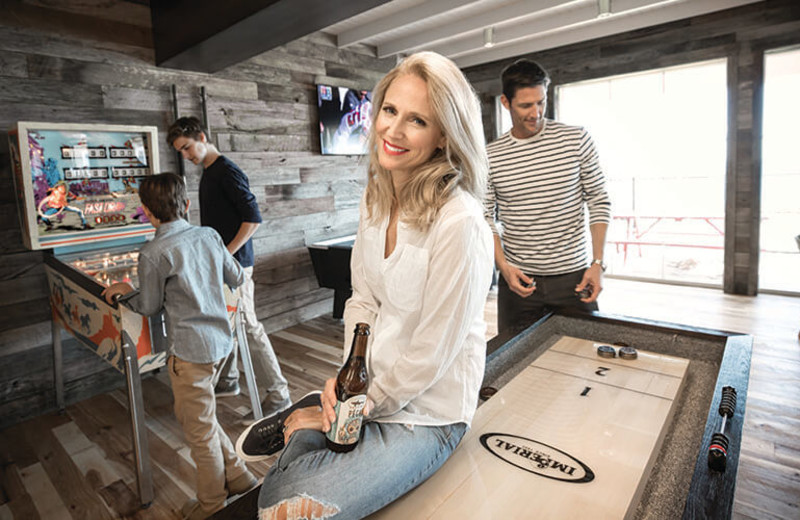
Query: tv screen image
x=344, y=119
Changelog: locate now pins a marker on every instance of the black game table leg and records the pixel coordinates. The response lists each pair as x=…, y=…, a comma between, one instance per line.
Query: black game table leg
x=340, y=296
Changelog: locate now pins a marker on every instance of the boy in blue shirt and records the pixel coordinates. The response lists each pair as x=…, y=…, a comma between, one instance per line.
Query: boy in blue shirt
x=182, y=271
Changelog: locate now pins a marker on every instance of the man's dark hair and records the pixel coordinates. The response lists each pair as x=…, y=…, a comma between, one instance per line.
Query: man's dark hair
x=164, y=195
x=523, y=74
x=185, y=127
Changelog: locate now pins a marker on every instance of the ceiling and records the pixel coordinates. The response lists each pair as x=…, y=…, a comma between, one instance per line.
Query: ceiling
x=460, y=29
x=209, y=35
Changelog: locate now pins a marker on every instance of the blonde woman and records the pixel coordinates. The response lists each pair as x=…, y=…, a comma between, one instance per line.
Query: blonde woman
x=421, y=269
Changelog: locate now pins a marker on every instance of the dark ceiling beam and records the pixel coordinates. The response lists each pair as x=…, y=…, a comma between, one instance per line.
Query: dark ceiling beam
x=209, y=35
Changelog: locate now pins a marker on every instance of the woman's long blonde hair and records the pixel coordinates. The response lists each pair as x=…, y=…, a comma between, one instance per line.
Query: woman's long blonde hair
x=463, y=160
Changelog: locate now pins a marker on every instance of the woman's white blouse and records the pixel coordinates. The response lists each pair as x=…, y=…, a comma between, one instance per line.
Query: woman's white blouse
x=425, y=305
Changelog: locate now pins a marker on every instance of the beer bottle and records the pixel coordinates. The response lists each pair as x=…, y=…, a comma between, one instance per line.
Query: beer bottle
x=351, y=394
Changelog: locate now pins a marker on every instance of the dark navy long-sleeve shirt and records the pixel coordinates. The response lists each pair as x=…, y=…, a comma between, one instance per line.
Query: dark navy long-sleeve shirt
x=226, y=201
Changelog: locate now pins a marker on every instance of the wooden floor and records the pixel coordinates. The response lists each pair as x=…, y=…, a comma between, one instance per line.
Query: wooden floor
x=78, y=465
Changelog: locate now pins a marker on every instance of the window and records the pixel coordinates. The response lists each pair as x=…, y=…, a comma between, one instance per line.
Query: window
x=779, y=260
x=503, y=117
x=662, y=137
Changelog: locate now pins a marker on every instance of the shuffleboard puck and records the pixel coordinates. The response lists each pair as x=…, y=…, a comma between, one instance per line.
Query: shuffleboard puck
x=486, y=392
x=606, y=351
x=627, y=353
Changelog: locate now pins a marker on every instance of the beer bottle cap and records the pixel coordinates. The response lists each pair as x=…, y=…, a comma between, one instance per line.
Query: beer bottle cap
x=362, y=328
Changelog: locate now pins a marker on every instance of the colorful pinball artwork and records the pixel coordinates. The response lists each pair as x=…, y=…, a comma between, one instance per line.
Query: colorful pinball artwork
x=100, y=326
x=80, y=183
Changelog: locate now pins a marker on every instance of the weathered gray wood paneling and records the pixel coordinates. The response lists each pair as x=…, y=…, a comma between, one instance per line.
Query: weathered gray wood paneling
x=741, y=35
x=44, y=42
x=91, y=61
x=13, y=64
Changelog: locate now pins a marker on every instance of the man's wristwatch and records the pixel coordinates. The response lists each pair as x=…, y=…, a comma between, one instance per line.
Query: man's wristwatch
x=599, y=262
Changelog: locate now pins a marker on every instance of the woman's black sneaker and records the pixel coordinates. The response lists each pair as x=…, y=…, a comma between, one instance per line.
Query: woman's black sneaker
x=265, y=437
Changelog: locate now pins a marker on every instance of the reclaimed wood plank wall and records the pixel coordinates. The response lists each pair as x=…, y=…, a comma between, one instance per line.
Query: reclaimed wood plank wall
x=91, y=61
x=741, y=36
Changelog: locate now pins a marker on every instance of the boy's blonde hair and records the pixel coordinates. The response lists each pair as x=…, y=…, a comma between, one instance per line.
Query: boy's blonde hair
x=463, y=160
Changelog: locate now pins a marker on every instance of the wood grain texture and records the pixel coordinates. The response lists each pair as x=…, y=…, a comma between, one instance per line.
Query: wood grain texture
x=131, y=91
x=94, y=432
x=768, y=480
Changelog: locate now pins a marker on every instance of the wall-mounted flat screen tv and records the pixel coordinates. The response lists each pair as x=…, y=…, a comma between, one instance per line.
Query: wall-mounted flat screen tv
x=344, y=119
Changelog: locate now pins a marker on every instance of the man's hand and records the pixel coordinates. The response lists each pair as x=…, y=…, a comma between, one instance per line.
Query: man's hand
x=114, y=291
x=245, y=233
x=593, y=280
x=517, y=281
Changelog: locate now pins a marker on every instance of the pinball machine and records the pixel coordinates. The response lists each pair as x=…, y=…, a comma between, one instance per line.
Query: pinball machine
x=77, y=191
x=78, y=199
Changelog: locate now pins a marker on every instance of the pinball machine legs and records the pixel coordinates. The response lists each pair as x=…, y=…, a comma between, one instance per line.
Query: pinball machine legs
x=247, y=363
x=144, y=474
x=58, y=362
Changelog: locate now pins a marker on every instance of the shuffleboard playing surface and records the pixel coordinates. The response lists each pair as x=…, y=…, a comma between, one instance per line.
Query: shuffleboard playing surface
x=573, y=434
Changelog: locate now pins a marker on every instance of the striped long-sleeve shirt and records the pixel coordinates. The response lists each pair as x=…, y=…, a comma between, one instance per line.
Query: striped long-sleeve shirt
x=538, y=189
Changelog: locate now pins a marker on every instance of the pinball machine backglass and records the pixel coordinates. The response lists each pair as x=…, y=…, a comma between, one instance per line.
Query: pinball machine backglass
x=78, y=184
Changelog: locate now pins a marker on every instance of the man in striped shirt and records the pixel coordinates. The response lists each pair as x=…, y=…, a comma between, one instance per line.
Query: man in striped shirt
x=543, y=176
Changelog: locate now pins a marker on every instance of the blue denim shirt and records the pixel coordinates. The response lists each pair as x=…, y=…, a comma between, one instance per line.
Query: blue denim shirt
x=182, y=270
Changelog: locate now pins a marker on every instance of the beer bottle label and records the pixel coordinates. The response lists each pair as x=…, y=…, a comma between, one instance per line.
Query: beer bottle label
x=346, y=428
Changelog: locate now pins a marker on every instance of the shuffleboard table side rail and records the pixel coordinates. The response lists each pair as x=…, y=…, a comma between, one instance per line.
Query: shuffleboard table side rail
x=703, y=500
